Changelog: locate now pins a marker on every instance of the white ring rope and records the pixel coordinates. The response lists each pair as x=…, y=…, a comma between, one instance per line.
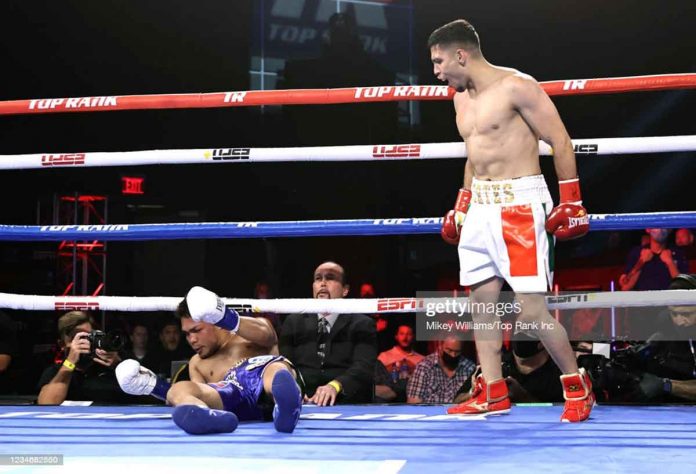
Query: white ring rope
x=588, y=146
x=343, y=306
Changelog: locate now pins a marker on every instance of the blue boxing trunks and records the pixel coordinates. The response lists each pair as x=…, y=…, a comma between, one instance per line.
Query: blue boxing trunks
x=241, y=390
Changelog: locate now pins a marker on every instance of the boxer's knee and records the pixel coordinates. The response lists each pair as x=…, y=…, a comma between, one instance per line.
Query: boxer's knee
x=532, y=308
x=180, y=391
x=271, y=370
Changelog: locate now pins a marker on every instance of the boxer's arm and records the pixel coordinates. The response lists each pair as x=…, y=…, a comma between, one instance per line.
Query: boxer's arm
x=685, y=389
x=257, y=330
x=537, y=109
x=468, y=174
x=458, y=101
x=194, y=370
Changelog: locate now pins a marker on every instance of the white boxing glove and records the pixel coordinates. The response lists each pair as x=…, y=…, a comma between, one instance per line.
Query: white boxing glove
x=137, y=380
x=205, y=306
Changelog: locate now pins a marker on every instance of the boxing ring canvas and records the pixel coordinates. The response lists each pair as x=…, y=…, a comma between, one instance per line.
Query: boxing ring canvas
x=357, y=439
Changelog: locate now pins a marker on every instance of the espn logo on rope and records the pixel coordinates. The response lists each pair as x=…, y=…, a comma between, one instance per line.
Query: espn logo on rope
x=586, y=148
x=76, y=305
x=68, y=159
x=396, y=151
x=564, y=299
x=398, y=304
x=229, y=154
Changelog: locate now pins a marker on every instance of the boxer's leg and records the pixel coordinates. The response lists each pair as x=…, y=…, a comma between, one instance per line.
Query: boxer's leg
x=279, y=381
x=577, y=388
x=487, y=334
x=489, y=392
x=199, y=409
x=551, y=333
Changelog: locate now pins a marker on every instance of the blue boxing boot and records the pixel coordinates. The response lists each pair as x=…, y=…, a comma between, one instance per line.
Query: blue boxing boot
x=199, y=420
x=288, y=402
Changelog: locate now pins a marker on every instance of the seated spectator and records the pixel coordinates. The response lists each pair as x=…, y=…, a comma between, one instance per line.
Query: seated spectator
x=588, y=324
x=367, y=290
x=440, y=375
x=8, y=349
x=529, y=372
x=336, y=353
x=84, y=373
x=262, y=291
x=684, y=240
x=670, y=374
x=170, y=349
x=398, y=363
x=139, y=348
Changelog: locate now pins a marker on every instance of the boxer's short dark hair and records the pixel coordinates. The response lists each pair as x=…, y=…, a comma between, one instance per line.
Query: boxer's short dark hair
x=456, y=32
x=182, y=310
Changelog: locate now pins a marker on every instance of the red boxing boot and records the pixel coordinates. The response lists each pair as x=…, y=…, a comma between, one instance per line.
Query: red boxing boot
x=485, y=398
x=577, y=391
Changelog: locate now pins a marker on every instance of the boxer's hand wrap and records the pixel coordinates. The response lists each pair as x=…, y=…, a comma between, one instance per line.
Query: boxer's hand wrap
x=454, y=219
x=137, y=380
x=205, y=306
x=569, y=220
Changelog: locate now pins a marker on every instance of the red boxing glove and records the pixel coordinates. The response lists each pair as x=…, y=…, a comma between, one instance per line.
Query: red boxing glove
x=453, y=220
x=569, y=220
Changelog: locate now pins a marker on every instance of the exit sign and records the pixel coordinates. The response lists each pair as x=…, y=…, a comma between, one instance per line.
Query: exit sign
x=132, y=185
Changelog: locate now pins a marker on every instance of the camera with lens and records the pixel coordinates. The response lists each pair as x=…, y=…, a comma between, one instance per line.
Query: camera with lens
x=618, y=378
x=106, y=341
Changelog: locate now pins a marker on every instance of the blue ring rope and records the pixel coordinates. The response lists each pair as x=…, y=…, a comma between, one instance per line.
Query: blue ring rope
x=326, y=228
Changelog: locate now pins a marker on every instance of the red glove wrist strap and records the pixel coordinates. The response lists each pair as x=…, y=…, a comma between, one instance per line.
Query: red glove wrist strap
x=570, y=190
x=463, y=200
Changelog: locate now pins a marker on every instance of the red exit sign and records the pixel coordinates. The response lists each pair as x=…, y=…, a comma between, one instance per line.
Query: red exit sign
x=132, y=185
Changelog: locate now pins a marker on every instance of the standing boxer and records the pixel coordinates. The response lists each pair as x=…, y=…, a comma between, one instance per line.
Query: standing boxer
x=502, y=220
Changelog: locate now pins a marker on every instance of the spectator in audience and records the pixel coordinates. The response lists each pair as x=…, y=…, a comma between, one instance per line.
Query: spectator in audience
x=336, y=353
x=670, y=374
x=652, y=266
x=529, y=372
x=440, y=375
x=683, y=238
x=84, y=373
x=649, y=267
x=367, y=290
x=395, y=366
x=139, y=346
x=8, y=349
x=170, y=349
x=262, y=291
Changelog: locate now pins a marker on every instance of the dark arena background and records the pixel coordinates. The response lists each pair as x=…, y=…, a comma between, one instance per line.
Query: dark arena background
x=82, y=48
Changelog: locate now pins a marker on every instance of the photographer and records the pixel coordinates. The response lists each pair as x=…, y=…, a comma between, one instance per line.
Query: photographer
x=86, y=372
x=670, y=374
x=529, y=372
